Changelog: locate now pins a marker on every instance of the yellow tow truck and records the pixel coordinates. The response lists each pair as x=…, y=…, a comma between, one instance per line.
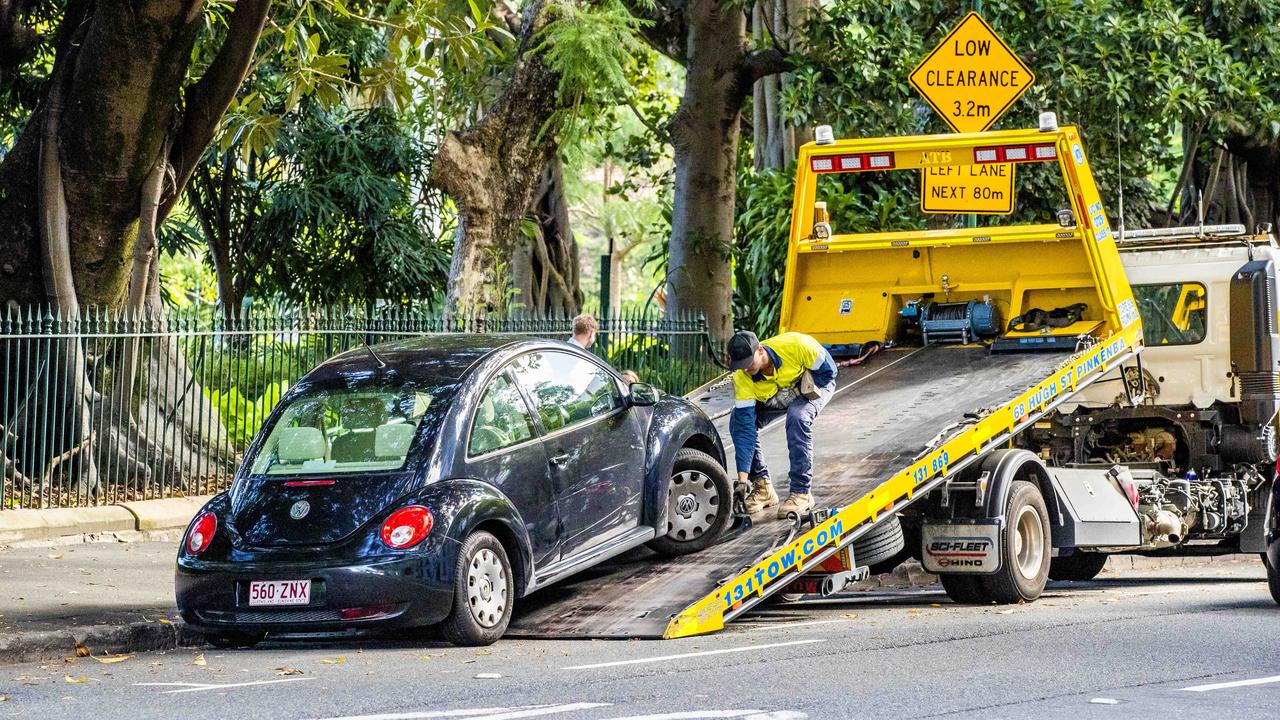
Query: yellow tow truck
x=948, y=445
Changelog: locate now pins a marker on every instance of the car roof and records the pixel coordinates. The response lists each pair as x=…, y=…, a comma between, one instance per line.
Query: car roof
x=441, y=357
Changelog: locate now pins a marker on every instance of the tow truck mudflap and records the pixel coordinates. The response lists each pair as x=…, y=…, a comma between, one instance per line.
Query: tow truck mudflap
x=961, y=546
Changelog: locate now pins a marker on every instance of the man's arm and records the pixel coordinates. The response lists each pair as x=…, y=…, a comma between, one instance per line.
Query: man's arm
x=742, y=428
x=823, y=369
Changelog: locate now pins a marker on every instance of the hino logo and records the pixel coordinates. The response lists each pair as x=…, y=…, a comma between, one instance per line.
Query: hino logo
x=299, y=509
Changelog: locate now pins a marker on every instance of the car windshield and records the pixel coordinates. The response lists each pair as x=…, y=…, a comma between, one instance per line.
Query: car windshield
x=349, y=429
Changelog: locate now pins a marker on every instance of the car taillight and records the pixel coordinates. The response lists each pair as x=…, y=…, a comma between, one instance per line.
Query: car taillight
x=201, y=533
x=406, y=527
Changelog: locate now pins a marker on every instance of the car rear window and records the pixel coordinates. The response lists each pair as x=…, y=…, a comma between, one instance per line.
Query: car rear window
x=347, y=429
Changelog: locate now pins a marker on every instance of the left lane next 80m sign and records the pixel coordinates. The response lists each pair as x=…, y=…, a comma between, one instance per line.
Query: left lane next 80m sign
x=971, y=77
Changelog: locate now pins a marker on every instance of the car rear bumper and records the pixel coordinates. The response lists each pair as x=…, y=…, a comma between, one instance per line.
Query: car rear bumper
x=402, y=592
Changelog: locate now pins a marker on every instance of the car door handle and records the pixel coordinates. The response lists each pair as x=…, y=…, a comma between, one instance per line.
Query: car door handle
x=560, y=459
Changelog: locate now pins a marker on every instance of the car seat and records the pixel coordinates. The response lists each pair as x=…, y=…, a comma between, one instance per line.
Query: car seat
x=360, y=419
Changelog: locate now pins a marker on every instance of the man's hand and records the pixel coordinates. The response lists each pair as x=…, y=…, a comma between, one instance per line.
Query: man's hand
x=744, y=477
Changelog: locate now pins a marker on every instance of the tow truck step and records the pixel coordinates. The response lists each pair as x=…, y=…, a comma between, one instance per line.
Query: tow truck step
x=880, y=420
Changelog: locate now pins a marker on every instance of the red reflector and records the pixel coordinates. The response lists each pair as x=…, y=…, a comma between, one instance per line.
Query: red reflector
x=363, y=613
x=201, y=533
x=406, y=527
x=1016, y=153
x=852, y=163
x=308, y=483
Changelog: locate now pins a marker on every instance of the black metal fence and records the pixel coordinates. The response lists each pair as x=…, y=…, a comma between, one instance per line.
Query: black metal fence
x=106, y=406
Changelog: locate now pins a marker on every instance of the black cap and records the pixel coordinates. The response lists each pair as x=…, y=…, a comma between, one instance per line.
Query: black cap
x=742, y=349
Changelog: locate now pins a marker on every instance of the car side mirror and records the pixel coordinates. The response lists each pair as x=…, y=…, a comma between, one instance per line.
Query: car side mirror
x=642, y=394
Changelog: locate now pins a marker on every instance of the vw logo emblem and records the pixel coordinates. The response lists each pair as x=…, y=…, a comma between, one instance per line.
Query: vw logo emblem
x=686, y=505
x=299, y=509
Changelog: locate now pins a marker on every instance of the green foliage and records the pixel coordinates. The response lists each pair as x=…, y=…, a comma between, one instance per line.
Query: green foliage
x=593, y=48
x=242, y=417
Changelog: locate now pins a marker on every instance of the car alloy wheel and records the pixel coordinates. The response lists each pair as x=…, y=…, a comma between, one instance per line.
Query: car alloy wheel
x=692, y=505
x=486, y=588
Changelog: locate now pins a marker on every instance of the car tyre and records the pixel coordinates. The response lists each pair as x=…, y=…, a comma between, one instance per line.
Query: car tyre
x=234, y=639
x=1025, y=555
x=483, y=593
x=1078, y=566
x=699, y=504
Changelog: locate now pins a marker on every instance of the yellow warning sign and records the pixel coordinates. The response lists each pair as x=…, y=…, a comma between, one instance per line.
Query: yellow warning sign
x=978, y=189
x=971, y=77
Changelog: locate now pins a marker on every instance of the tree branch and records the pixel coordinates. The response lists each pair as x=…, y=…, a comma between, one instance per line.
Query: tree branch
x=208, y=99
x=763, y=63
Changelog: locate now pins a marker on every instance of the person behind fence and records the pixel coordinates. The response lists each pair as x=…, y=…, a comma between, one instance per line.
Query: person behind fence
x=791, y=374
x=584, y=331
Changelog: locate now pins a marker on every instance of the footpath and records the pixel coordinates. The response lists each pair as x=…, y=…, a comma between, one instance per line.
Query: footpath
x=111, y=591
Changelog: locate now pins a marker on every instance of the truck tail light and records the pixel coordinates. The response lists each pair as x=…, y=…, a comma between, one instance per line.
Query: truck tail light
x=1035, y=152
x=406, y=527
x=201, y=533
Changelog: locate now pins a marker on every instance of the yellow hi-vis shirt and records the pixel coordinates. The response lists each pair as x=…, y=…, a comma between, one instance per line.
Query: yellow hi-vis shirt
x=798, y=352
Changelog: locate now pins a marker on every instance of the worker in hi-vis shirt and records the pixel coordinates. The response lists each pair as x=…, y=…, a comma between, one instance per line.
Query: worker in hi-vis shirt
x=791, y=373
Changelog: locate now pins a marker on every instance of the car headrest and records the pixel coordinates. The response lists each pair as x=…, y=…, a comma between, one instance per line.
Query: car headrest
x=392, y=440
x=299, y=444
x=363, y=413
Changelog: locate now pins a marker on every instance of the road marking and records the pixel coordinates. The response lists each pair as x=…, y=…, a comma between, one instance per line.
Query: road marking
x=1234, y=684
x=718, y=714
x=682, y=656
x=187, y=687
x=526, y=711
x=786, y=626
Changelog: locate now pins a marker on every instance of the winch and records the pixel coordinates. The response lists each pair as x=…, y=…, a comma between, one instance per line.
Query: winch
x=955, y=322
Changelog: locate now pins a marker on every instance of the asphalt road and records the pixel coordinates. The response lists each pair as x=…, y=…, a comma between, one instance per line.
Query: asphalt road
x=1188, y=642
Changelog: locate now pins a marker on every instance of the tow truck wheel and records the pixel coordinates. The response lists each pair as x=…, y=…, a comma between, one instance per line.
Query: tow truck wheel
x=962, y=589
x=1078, y=566
x=483, y=592
x=1024, y=559
x=1273, y=579
x=699, y=504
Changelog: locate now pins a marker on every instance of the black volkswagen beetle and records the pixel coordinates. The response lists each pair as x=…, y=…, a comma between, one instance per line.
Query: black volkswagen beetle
x=435, y=480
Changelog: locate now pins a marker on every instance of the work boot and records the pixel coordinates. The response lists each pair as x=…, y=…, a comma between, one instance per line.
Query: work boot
x=798, y=503
x=762, y=495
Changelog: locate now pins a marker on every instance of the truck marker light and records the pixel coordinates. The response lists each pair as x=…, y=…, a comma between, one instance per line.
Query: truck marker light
x=851, y=162
x=822, y=164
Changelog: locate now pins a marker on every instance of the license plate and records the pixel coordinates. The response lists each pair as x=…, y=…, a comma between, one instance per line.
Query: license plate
x=280, y=592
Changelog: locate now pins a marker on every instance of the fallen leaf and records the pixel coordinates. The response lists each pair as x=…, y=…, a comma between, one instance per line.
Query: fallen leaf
x=850, y=615
x=200, y=660
x=286, y=670
x=424, y=657
x=82, y=651
x=467, y=662
x=935, y=604
x=334, y=661
x=1004, y=612
x=4, y=698
x=164, y=620
x=110, y=660
x=55, y=557
x=75, y=680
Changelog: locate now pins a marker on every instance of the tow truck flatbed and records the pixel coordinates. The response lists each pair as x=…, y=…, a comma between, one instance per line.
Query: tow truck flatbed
x=883, y=416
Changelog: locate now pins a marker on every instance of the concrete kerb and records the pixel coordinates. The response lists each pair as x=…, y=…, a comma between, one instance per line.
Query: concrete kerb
x=25, y=526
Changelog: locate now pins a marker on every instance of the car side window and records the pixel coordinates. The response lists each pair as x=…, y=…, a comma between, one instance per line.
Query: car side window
x=567, y=390
x=501, y=419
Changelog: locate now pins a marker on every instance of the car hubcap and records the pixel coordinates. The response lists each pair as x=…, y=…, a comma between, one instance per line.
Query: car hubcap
x=486, y=588
x=692, y=505
x=1028, y=542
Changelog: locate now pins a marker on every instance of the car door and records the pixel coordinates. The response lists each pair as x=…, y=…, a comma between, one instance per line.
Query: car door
x=595, y=444
x=504, y=450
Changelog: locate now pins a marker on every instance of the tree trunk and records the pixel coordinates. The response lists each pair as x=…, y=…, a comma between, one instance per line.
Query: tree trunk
x=492, y=170
x=545, y=266
x=774, y=139
x=704, y=135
